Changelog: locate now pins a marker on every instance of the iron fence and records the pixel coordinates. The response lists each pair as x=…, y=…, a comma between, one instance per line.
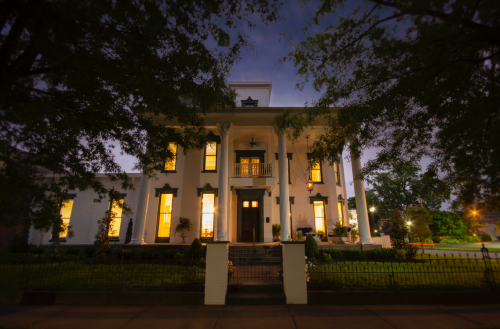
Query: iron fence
x=425, y=272
x=39, y=272
x=255, y=265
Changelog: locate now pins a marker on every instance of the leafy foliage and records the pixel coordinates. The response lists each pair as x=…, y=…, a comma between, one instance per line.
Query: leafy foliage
x=446, y=223
x=276, y=231
x=81, y=78
x=128, y=234
x=311, y=247
x=196, y=249
x=184, y=224
x=400, y=234
x=414, y=78
x=420, y=219
x=486, y=237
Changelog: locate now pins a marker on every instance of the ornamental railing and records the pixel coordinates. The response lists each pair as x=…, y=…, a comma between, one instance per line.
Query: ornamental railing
x=248, y=170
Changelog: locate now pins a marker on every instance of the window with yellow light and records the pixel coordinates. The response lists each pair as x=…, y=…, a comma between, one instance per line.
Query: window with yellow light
x=207, y=215
x=319, y=216
x=210, y=156
x=164, y=215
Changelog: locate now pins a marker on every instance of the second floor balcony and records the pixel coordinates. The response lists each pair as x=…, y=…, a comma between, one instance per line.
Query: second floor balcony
x=252, y=170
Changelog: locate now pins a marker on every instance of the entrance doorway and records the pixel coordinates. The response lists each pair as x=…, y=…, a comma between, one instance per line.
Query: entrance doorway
x=250, y=220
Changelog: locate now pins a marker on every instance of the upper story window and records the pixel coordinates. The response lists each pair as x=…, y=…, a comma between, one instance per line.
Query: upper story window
x=336, y=167
x=170, y=164
x=316, y=170
x=249, y=102
x=116, y=207
x=210, y=163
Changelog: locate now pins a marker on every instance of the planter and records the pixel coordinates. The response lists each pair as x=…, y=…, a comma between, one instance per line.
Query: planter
x=183, y=235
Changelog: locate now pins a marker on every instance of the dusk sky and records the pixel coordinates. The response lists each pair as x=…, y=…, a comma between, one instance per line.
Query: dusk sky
x=261, y=63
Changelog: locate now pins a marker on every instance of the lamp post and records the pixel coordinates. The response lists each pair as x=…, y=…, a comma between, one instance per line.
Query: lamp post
x=372, y=218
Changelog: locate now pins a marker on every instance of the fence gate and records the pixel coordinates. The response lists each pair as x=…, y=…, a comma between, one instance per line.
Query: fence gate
x=257, y=265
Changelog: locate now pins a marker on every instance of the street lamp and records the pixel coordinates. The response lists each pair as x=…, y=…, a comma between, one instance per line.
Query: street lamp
x=372, y=209
x=409, y=223
x=474, y=212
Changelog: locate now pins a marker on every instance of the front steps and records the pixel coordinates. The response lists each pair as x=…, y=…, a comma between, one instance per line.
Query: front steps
x=255, y=295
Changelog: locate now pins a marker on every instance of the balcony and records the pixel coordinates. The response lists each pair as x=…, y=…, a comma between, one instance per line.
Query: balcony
x=252, y=170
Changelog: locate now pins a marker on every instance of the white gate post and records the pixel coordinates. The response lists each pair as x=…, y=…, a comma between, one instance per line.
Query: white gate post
x=294, y=272
x=216, y=273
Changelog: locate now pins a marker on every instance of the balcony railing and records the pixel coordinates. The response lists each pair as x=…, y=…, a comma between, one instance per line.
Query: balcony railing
x=245, y=170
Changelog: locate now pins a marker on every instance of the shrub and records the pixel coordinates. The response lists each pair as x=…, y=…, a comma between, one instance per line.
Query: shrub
x=485, y=237
x=90, y=251
x=436, y=239
x=354, y=254
x=311, y=247
x=327, y=257
x=18, y=243
x=449, y=240
x=178, y=257
x=399, y=254
x=73, y=251
x=148, y=254
x=382, y=253
x=471, y=239
x=410, y=251
x=124, y=254
x=196, y=249
x=38, y=250
x=334, y=253
x=299, y=236
x=128, y=234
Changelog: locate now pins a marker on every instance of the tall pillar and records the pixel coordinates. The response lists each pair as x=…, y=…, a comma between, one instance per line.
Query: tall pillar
x=284, y=194
x=361, y=208
x=222, y=233
x=142, y=208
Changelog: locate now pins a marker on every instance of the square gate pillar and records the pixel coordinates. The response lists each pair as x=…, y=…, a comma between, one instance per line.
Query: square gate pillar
x=294, y=272
x=216, y=273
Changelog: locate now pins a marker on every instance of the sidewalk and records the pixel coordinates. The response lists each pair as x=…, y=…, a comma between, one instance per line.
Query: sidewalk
x=240, y=317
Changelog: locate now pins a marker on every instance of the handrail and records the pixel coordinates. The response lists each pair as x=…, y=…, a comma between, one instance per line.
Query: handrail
x=252, y=170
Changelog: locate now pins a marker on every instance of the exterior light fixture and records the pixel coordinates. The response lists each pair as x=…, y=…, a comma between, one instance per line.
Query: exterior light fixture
x=474, y=212
x=375, y=231
x=372, y=209
x=409, y=223
x=310, y=184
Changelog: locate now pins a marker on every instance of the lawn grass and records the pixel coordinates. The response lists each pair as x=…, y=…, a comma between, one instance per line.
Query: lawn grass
x=77, y=275
x=463, y=248
x=428, y=272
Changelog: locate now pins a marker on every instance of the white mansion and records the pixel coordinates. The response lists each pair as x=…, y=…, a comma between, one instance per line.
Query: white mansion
x=245, y=180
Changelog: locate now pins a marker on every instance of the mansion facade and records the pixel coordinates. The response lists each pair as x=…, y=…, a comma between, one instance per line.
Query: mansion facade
x=244, y=181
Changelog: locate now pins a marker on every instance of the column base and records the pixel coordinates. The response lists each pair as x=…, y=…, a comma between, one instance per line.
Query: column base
x=137, y=241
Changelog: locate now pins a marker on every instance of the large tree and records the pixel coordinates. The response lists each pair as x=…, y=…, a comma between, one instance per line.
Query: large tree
x=414, y=78
x=78, y=78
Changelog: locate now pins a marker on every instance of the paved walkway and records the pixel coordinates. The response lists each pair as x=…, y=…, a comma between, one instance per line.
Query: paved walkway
x=240, y=317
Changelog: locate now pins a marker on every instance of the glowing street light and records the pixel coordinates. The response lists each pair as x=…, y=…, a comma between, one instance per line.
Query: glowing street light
x=372, y=209
x=474, y=212
x=409, y=223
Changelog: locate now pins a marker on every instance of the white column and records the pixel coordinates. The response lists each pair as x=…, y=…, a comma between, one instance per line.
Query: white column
x=284, y=194
x=222, y=233
x=271, y=156
x=361, y=208
x=142, y=208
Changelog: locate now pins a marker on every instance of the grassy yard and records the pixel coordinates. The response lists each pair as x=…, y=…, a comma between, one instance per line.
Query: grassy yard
x=491, y=250
x=435, y=272
x=80, y=276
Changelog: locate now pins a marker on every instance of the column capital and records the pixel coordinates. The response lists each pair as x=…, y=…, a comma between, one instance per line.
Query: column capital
x=224, y=128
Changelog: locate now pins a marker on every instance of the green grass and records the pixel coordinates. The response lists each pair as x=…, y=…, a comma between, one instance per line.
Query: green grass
x=80, y=276
x=435, y=272
x=463, y=248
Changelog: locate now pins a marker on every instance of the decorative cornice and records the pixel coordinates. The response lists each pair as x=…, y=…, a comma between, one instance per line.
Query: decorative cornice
x=318, y=197
x=166, y=189
x=249, y=102
x=208, y=189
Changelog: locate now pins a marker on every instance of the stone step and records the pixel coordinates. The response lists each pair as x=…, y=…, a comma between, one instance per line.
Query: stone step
x=255, y=288
x=256, y=299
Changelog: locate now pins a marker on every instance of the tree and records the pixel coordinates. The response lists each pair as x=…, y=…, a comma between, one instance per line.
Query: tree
x=81, y=78
x=403, y=186
x=399, y=235
x=420, y=219
x=446, y=223
x=128, y=235
x=414, y=78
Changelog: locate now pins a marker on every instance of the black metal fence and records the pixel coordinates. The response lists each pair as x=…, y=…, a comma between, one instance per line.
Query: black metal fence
x=44, y=272
x=255, y=265
x=426, y=272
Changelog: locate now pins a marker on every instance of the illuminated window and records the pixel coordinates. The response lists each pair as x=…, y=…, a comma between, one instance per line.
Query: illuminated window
x=255, y=204
x=246, y=204
x=170, y=164
x=250, y=166
x=116, y=215
x=337, y=171
x=211, y=156
x=319, y=216
x=316, y=172
x=341, y=213
x=207, y=215
x=164, y=215
x=66, y=209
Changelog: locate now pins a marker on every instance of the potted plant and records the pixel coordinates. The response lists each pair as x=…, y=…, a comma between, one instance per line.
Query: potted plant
x=183, y=226
x=276, y=232
x=340, y=231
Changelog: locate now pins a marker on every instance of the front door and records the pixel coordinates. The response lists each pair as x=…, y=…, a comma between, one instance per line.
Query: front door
x=250, y=220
